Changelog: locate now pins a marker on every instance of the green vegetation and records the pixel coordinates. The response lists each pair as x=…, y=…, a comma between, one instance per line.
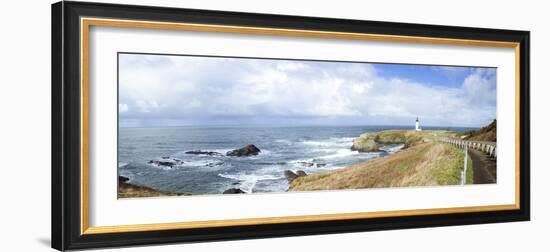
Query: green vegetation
x=369, y=142
x=448, y=171
x=470, y=172
x=408, y=137
x=470, y=133
x=487, y=133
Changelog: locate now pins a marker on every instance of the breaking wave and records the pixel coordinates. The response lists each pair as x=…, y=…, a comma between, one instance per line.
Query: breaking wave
x=248, y=181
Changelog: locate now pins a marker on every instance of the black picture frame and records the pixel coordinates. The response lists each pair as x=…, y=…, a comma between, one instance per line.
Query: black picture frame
x=66, y=125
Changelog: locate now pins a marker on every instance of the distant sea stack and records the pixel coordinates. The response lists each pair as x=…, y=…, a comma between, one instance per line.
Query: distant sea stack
x=249, y=150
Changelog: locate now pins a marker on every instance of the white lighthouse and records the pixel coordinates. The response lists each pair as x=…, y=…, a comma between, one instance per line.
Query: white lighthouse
x=417, y=126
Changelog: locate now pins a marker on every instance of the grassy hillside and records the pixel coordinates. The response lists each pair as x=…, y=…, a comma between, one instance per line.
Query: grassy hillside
x=423, y=164
x=487, y=133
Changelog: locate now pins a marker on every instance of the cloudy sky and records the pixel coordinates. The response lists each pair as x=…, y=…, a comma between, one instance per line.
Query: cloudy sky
x=157, y=90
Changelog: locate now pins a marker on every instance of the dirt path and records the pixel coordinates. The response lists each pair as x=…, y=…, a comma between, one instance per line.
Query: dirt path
x=485, y=168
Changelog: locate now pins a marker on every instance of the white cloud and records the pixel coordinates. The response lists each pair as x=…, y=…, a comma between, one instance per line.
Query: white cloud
x=205, y=89
x=290, y=66
x=146, y=106
x=122, y=108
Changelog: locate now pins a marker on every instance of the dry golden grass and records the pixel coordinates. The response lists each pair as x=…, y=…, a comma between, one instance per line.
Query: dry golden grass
x=127, y=190
x=424, y=164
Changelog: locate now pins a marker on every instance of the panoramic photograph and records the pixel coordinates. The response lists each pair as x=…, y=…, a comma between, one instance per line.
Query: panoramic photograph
x=201, y=125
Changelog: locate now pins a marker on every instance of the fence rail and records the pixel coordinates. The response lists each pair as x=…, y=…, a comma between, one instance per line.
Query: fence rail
x=490, y=148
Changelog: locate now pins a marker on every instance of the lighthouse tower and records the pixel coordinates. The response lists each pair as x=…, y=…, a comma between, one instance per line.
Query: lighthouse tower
x=417, y=126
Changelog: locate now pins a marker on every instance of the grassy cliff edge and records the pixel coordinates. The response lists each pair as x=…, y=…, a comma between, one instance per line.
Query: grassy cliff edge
x=424, y=163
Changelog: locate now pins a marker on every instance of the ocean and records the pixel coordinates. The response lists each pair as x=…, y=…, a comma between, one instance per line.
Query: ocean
x=311, y=149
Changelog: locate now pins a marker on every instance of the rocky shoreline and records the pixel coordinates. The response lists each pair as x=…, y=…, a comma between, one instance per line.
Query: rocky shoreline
x=130, y=190
x=367, y=142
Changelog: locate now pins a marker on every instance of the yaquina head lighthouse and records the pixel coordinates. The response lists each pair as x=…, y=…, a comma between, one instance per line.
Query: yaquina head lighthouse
x=417, y=125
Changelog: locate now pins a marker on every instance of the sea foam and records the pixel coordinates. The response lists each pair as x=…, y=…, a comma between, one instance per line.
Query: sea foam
x=248, y=181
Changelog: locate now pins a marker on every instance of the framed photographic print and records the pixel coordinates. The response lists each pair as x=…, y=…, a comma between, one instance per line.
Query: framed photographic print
x=181, y=125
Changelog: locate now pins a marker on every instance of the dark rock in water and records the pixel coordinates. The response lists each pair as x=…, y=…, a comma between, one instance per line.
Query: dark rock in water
x=248, y=150
x=301, y=173
x=235, y=183
x=166, y=157
x=233, y=191
x=290, y=175
x=214, y=164
x=122, y=179
x=200, y=152
x=311, y=164
x=306, y=164
x=166, y=162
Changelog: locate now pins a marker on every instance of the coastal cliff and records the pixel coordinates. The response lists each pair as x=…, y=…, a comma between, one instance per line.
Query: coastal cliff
x=423, y=163
x=129, y=190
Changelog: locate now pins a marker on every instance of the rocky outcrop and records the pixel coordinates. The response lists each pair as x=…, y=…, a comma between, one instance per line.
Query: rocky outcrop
x=201, y=152
x=290, y=175
x=122, y=179
x=365, y=144
x=372, y=141
x=249, y=150
x=233, y=191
